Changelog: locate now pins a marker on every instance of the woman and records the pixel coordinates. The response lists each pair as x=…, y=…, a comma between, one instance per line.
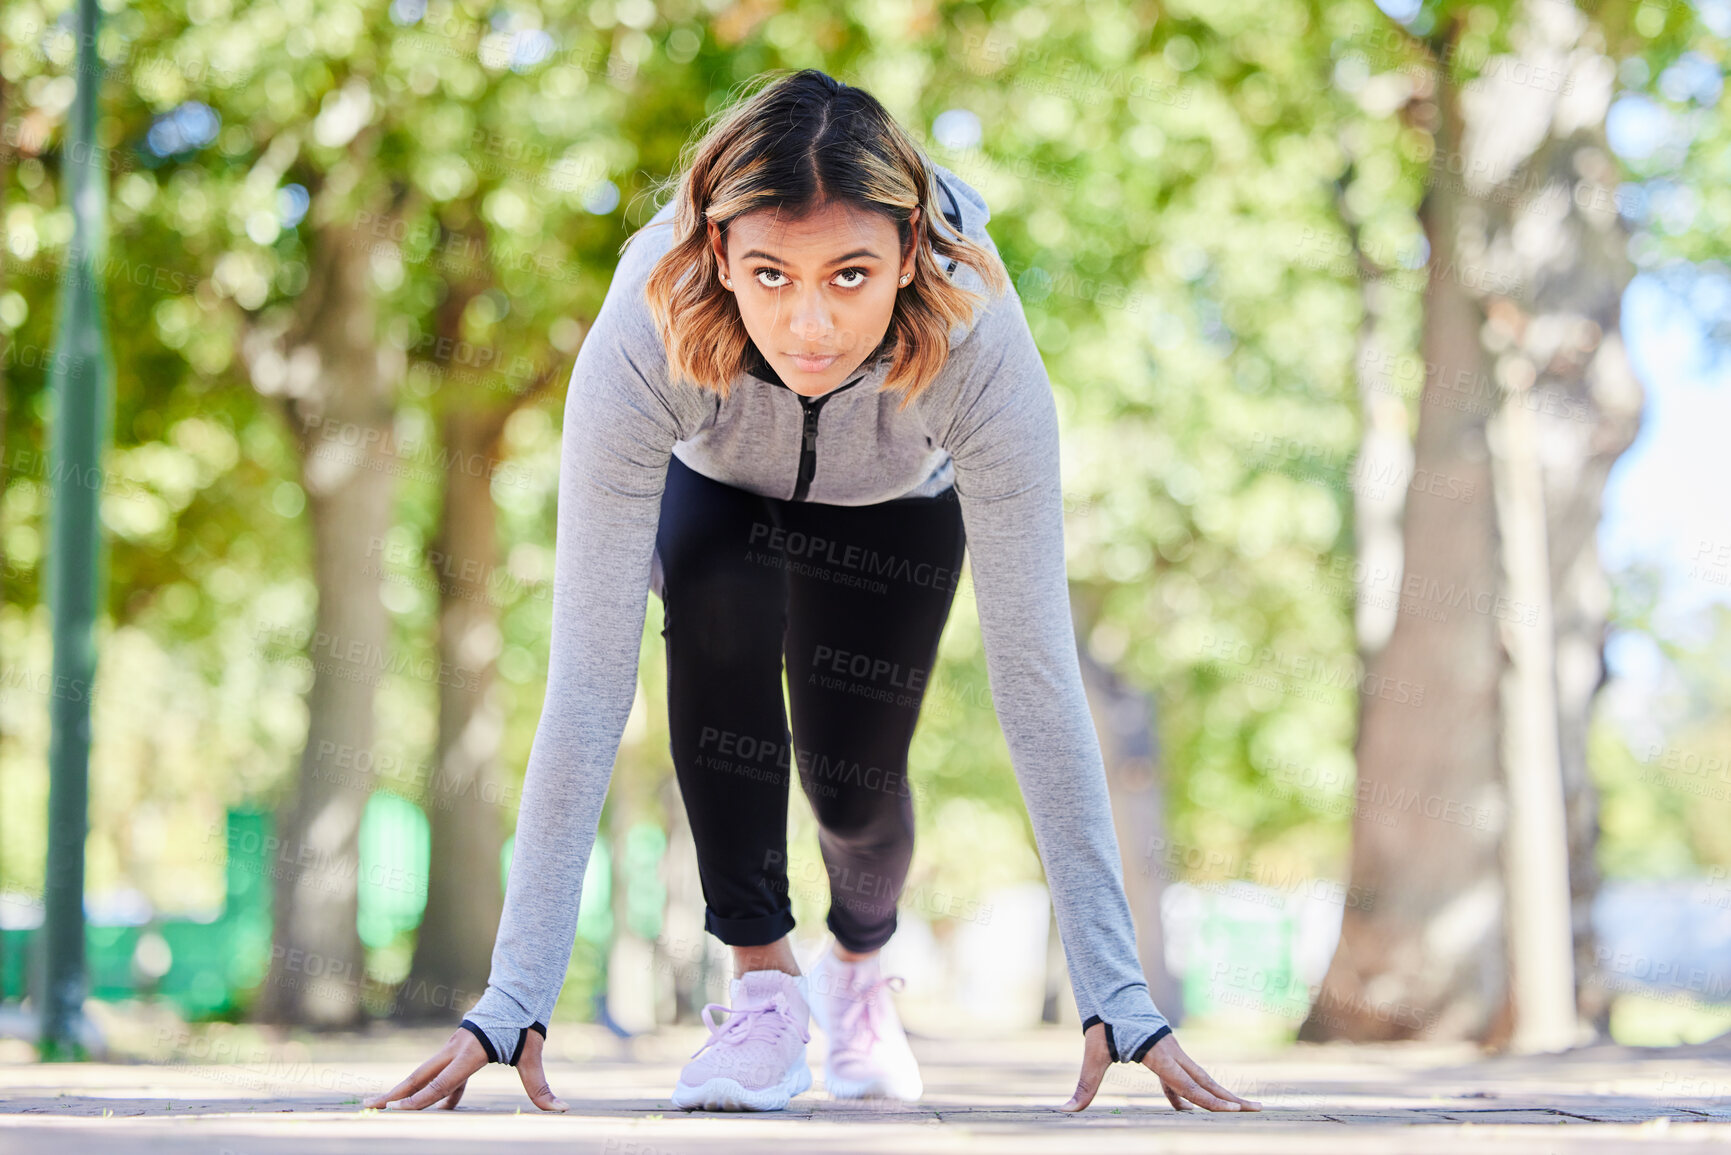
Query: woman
x=808, y=378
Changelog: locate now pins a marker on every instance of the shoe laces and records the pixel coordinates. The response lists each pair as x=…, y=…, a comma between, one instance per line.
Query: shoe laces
x=860, y=1021
x=768, y=1022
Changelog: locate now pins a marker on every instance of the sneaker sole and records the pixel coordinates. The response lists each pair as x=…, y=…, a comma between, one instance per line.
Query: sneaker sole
x=723, y=1094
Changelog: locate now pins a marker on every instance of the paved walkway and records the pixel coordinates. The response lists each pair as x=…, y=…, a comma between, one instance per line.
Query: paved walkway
x=238, y=1092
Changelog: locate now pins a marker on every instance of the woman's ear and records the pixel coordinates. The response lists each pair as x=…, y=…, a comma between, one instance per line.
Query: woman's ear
x=913, y=242
x=718, y=246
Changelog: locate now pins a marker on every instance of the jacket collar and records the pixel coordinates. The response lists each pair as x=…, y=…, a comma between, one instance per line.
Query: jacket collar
x=956, y=200
x=758, y=366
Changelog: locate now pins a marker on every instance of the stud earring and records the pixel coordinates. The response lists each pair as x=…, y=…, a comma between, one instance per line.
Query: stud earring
x=904, y=280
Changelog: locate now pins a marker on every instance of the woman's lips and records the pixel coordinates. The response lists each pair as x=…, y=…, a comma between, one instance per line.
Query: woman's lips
x=814, y=364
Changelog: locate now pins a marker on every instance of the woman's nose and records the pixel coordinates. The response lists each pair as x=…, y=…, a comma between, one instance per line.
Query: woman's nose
x=811, y=320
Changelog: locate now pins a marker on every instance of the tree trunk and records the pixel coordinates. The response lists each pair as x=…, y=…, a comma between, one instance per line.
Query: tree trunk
x=1425, y=957
x=1566, y=363
x=342, y=407
x=1536, y=850
x=465, y=801
x=1538, y=160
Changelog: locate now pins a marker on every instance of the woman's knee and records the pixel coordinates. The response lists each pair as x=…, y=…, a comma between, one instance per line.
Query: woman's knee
x=723, y=616
x=866, y=832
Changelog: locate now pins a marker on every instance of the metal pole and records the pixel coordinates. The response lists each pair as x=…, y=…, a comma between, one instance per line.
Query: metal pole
x=80, y=382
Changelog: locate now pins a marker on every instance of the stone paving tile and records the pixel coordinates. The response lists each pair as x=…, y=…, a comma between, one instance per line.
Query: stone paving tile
x=1012, y=1134
x=1400, y=1117
x=983, y=1095
x=1531, y=1115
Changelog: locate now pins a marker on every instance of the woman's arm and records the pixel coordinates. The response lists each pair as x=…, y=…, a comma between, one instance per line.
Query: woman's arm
x=1003, y=436
x=621, y=420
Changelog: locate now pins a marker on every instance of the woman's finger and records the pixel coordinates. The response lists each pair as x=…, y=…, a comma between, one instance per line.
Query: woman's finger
x=1095, y=1060
x=1163, y=1062
x=534, y=1074
x=450, y=1103
x=1192, y=1090
x=416, y=1080
x=448, y=1081
x=1194, y=1069
x=1172, y=1097
x=1208, y=1082
x=463, y=1057
x=438, y=1087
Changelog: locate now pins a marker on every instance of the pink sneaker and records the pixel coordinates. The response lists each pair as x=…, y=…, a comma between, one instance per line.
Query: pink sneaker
x=756, y=1060
x=869, y=1055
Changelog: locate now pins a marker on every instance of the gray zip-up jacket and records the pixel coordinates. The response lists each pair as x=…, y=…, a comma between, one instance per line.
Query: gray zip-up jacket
x=988, y=425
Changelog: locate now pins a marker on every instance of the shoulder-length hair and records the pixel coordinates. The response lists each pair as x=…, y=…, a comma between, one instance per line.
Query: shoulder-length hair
x=808, y=140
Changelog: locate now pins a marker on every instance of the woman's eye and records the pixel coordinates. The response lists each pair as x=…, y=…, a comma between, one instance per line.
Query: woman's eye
x=847, y=279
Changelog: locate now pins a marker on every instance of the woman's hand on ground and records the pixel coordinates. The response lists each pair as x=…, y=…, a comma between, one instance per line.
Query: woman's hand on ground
x=1180, y=1075
x=443, y=1078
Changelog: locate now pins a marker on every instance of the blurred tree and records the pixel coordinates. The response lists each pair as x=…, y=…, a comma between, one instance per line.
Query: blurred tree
x=323, y=361
x=1497, y=609
x=438, y=140
x=454, y=948
x=1446, y=748
x=364, y=155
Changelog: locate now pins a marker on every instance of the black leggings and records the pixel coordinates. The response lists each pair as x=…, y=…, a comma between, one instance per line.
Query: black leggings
x=856, y=598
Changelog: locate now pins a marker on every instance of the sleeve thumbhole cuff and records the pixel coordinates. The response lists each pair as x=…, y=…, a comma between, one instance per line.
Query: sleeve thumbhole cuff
x=486, y=1043
x=1112, y=1043
x=1148, y=1045
x=523, y=1037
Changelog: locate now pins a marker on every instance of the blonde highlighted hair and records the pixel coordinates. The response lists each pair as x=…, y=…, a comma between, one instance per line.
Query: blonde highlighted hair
x=804, y=141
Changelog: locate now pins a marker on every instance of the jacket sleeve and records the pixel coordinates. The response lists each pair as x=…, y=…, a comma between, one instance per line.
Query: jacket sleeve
x=1003, y=437
x=621, y=420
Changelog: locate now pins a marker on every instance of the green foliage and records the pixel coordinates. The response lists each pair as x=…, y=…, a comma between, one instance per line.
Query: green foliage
x=1172, y=190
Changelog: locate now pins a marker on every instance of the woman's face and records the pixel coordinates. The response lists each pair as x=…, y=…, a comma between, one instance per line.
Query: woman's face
x=824, y=286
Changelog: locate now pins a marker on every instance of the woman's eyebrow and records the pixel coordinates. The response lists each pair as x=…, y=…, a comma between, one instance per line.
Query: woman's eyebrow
x=857, y=253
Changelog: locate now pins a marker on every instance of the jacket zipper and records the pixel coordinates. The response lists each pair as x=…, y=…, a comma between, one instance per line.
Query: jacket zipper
x=808, y=437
